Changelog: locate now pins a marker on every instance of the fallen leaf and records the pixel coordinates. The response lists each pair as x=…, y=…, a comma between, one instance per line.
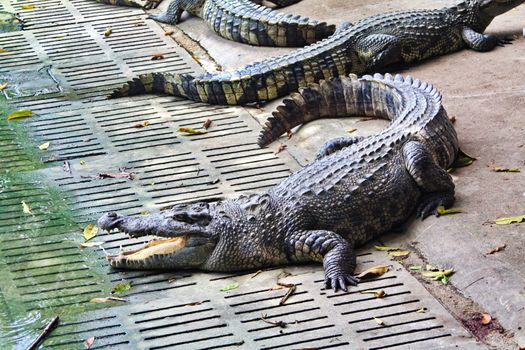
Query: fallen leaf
x=3, y=50
x=375, y=271
x=505, y=170
x=89, y=342
x=108, y=31
x=385, y=249
x=3, y=86
x=415, y=268
x=21, y=113
x=207, y=123
x=510, y=220
x=229, y=287
x=27, y=7
x=256, y=273
x=421, y=311
x=496, y=249
x=26, y=209
x=157, y=56
x=280, y=324
x=288, y=294
x=121, y=287
x=169, y=32
x=195, y=303
x=351, y=130
x=91, y=244
x=441, y=275
x=442, y=211
x=485, y=319
x=429, y=267
x=280, y=148
x=462, y=160
x=452, y=119
x=400, y=253
x=122, y=175
x=90, y=231
x=191, y=131
x=377, y=293
x=82, y=162
x=379, y=321
x=107, y=299
x=44, y=146
x=289, y=134
x=141, y=125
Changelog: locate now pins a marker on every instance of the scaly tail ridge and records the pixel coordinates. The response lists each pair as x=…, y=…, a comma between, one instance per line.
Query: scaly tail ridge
x=172, y=84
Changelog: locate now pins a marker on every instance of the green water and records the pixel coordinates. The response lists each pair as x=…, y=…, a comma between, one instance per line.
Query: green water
x=30, y=294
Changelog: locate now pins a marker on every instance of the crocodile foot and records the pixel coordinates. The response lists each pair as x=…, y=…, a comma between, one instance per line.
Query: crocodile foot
x=504, y=40
x=339, y=280
x=431, y=201
x=165, y=17
x=152, y=4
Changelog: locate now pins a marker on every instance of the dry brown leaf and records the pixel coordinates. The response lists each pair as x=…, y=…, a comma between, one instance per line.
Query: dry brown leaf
x=88, y=343
x=157, y=56
x=377, y=293
x=498, y=169
x=379, y=321
x=485, y=319
x=207, y=123
x=372, y=272
x=288, y=294
x=169, y=32
x=141, y=125
x=496, y=249
x=280, y=148
x=400, y=253
x=289, y=134
x=191, y=131
x=452, y=119
x=122, y=175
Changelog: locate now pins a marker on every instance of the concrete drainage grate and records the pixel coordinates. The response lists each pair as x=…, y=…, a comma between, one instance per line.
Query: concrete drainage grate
x=46, y=272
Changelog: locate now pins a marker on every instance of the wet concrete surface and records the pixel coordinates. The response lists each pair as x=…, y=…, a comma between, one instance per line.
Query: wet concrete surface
x=485, y=94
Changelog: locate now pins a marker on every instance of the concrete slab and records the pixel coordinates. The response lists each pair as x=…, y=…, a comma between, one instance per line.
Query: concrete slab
x=484, y=92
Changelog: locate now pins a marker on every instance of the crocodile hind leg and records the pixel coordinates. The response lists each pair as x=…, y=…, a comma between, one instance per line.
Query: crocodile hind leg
x=337, y=144
x=336, y=253
x=483, y=42
x=434, y=181
x=173, y=13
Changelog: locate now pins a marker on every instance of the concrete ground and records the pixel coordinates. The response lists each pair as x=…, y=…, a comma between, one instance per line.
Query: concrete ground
x=484, y=92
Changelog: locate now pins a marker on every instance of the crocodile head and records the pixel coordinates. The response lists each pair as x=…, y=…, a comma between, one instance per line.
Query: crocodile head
x=187, y=241
x=493, y=8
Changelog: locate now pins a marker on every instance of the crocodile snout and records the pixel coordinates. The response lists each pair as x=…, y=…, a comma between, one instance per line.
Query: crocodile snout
x=109, y=221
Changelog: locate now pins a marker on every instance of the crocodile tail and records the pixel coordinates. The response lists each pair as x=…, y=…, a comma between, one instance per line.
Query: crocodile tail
x=180, y=85
x=128, y=3
x=322, y=100
x=246, y=22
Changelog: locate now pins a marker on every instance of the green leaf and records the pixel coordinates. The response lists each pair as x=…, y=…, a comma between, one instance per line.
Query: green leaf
x=44, y=146
x=442, y=211
x=441, y=275
x=90, y=231
x=505, y=170
x=121, y=287
x=385, y=249
x=400, y=253
x=108, y=31
x=462, y=160
x=21, y=113
x=191, y=131
x=229, y=287
x=510, y=220
x=415, y=267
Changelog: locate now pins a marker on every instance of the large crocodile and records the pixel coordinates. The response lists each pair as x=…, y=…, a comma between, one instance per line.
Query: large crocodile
x=355, y=190
x=370, y=45
x=244, y=21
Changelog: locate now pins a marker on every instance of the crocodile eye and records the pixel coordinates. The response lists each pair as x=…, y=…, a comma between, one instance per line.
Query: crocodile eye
x=180, y=217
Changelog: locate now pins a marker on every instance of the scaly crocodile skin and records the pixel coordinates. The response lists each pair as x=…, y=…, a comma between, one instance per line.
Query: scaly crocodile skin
x=370, y=45
x=355, y=190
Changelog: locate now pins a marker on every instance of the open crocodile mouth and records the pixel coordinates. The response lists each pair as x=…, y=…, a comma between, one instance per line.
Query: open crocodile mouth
x=163, y=246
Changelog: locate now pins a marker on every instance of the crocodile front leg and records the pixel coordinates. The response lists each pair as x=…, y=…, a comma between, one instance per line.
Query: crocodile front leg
x=434, y=181
x=377, y=51
x=336, y=144
x=336, y=253
x=483, y=42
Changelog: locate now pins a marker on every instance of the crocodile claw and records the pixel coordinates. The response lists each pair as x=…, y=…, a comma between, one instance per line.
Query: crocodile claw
x=340, y=281
x=431, y=201
x=505, y=40
x=151, y=4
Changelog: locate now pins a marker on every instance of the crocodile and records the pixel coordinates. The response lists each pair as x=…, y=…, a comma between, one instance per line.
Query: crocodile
x=374, y=44
x=244, y=21
x=149, y=4
x=356, y=189
x=249, y=22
